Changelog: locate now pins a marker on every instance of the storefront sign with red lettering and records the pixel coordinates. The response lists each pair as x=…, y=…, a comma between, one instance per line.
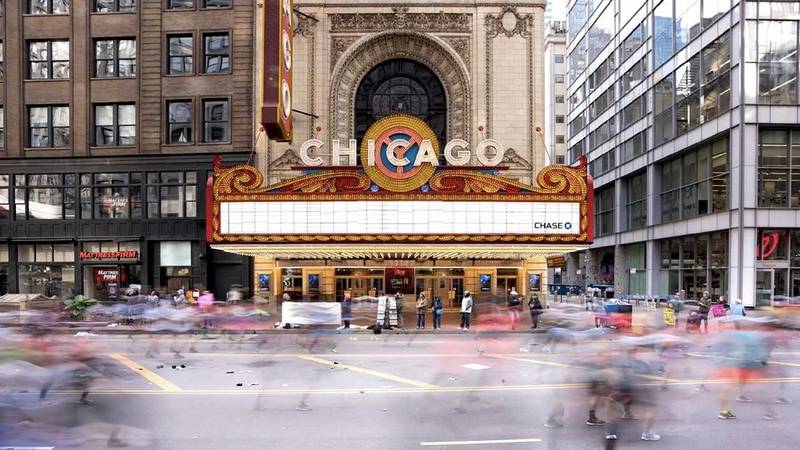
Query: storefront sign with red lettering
x=110, y=256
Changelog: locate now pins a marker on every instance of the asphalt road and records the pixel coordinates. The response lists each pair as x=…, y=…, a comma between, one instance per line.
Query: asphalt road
x=326, y=391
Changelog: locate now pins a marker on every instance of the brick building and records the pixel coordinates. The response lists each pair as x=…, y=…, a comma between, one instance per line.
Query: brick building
x=111, y=111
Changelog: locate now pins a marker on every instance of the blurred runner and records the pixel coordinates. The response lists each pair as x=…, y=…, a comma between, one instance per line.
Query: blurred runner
x=536, y=309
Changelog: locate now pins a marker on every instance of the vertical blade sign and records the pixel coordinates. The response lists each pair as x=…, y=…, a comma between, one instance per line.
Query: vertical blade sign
x=276, y=109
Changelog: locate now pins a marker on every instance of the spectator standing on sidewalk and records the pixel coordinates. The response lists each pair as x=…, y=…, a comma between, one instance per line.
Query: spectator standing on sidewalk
x=347, y=310
x=422, y=304
x=438, y=310
x=398, y=299
x=466, y=310
x=514, y=307
x=536, y=309
x=703, y=310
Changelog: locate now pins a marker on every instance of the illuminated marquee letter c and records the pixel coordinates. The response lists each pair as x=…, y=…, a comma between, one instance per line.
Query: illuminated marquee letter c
x=307, y=146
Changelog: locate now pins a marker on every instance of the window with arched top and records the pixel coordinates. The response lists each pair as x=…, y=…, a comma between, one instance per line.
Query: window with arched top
x=401, y=86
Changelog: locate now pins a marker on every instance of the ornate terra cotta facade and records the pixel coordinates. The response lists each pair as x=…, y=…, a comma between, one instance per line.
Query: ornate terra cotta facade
x=471, y=70
x=488, y=56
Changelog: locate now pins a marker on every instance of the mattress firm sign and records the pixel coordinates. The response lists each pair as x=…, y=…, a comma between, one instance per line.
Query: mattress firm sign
x=400, y=217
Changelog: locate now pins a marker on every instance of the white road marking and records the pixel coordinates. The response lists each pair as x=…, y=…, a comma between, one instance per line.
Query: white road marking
x=474, y=366
x=492, y=441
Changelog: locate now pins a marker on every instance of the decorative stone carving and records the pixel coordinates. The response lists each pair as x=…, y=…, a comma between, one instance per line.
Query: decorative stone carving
x=514, y=161
x=371, y=50
x=401, y=19
x=288, y=159
x=305, y=24
x=509, y=22
x=339, y=45
x=461, y=45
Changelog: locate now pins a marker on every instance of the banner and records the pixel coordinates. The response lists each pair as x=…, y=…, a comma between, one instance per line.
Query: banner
x=312, y=313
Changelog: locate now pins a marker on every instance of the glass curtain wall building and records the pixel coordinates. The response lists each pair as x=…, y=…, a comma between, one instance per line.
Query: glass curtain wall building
x=688, y=113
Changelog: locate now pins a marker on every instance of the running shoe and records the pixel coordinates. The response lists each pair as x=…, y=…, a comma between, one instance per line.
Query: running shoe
x=629, y=416
x=595, y=422
x=611, y=437
x=783, y=401
x=743, y=398
x=650, y=435
x=770, y=415
x=725, y=415
x=553, y=423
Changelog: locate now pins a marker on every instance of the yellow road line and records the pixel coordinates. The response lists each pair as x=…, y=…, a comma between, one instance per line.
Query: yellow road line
x=374, y=373
x=145, y=372
x=404, y=390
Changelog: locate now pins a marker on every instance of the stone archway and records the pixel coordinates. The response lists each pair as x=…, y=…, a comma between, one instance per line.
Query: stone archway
x=372, y=50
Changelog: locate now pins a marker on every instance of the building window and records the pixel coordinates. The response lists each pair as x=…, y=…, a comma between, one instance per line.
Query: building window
x=216, y=121
x=180, y=4
x=779, y=168
x=5, y=197
x=602, y=103
x=636, y=207
x=111, y=195
x=634, y=111
x=633, y=147
x=560, y=79
x=171, y=194
x=48, y=126
x=632, y=43
x=180, y=54
x=216, y=53
x=115, y=58
x=601, y=32
x=559, y=99
x=559, y=139
x=48, y=59
x=46, y=196
x=559, y=118
x=662, y=32
x=634, y=75
x=2, y=126
x=114, y=5
x=216, y=3
x=40, y=7
x=180, y=122
x=604, y=203
x=2, y=61
x=558, y=59
x=662, y=110
x=696, y=183
x=115, y=124
x=777, y=62
x=603, y=164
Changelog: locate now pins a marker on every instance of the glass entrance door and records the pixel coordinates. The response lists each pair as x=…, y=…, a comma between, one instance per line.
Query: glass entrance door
x=765, y=282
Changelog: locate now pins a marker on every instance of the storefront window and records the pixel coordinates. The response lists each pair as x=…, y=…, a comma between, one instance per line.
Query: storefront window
x=3, y=269
x=695, y=264
x=48, y=280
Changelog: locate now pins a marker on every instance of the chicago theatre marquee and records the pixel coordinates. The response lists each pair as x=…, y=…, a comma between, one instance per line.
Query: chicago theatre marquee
x=403, y=154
